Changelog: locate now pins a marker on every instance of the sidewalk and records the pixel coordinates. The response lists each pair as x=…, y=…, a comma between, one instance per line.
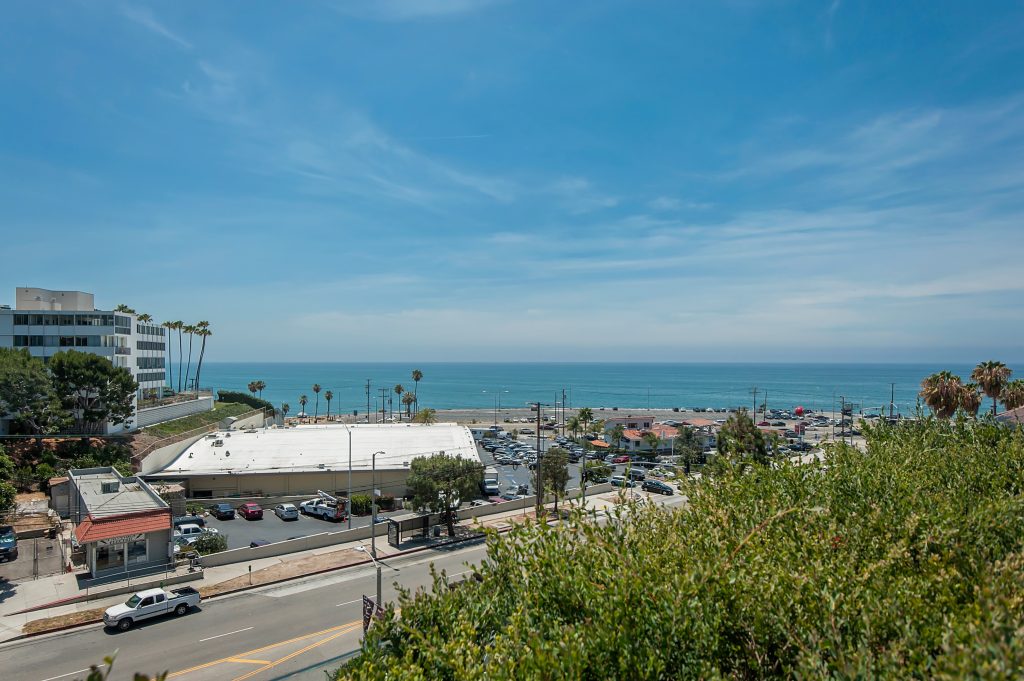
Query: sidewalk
x=225, y=579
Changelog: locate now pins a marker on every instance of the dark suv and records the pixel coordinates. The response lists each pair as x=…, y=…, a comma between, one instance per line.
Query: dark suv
x=222, y=511
x=8, y=543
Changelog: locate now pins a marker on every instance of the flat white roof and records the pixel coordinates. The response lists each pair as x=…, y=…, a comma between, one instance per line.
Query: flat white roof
x=319, y=447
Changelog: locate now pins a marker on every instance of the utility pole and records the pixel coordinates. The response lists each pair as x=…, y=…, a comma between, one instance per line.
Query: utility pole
x=540, y=469
x=753, y=414
x=383, y=403
x=563, y=412
x=892, y=398
x=367, y=400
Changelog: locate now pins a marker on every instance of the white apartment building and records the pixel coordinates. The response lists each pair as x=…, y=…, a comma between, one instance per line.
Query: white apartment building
x=47, y=322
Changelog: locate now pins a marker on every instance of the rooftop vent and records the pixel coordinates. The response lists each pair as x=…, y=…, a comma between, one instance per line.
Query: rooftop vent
x=110, y=487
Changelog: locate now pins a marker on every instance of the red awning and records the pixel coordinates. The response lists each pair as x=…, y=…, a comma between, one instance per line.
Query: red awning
x=600, y=443
x=93, y=529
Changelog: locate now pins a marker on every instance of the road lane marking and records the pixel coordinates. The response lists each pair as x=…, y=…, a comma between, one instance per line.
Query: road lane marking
x=348, y=602
x=296, y=653
x=247, y=653
x=239, y=631
x=243, y=660
x=68, y=674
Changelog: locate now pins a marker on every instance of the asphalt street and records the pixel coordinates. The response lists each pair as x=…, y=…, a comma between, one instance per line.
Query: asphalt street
x=294, y=630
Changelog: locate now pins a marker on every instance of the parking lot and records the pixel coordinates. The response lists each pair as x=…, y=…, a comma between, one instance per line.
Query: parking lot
x=240, y=532
x=39, y=557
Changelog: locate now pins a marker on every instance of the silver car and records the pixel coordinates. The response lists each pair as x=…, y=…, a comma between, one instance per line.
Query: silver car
x=286, y=512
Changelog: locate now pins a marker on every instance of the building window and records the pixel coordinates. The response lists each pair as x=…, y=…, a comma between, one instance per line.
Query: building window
x=108, y=557
x=150, y=362
x=21, y=320
x=137, y=552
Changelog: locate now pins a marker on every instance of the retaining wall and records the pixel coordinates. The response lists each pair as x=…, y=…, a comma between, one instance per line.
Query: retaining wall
x=159, y=459
x=169, y=412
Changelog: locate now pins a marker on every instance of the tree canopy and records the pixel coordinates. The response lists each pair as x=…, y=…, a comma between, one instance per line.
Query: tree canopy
x=439, y=482
x=902, y=561
x=92, y=389
x=554, y=473
x=740, y=441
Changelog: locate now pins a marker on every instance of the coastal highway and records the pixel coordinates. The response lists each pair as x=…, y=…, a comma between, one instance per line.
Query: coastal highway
x=294, y=630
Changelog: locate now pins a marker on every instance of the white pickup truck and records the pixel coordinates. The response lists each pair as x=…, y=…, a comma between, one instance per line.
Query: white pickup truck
x=328, y=510
x=150, y=603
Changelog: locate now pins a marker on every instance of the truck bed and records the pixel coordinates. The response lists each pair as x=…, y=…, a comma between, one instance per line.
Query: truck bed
x=185, y=591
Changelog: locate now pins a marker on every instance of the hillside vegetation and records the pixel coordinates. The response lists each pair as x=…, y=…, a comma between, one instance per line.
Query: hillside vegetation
x=902, y=562
x=221, y=410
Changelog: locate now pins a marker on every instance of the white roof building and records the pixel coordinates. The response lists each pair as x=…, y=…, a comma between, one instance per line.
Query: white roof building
x=317, y=448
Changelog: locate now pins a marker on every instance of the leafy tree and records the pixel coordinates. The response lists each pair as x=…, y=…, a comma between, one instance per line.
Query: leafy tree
x=44, y=472
x=329, y=395
x=6, y=465
x=992, y=376
x=316, y=391
x=26, y=393
x=7, y=495
x=596, y=470
x=417, y=376
x=687, y=446
x=1013, y=394
x=942, y=393
x=209, y=542
x=362, y=504
x=425, y=415
x=439, y=481
x=899, y=561
x=92, y=390
x=741, y=441
x=554, y=465
x=618, y=432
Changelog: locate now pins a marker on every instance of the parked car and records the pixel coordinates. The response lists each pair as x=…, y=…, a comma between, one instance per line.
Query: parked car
x=222, y=511
x=8, y=543
x=190, y=520
x=620, y=481
x=656, y=486
x=286, y=512
x=251, y=511
x=190, y=533
x=622, y=458
x=150, y=603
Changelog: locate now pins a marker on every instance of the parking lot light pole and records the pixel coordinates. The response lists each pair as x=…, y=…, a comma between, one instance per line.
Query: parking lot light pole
x=348, y=501
x=373, y=518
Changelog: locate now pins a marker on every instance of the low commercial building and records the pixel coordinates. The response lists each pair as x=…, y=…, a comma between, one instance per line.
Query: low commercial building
x=335, y=458
x=121, y=523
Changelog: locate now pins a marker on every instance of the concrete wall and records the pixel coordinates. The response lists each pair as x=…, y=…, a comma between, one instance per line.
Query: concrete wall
x=293, y=484
x=169, y=412
x=158, y=459
x=254, y=421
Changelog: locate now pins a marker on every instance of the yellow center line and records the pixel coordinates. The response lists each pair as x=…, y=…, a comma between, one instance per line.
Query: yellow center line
x=244, y=661
x=347, y=627
x=295, y=654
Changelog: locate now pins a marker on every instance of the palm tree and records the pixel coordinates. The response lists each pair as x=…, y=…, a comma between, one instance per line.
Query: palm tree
x=585, y=416
x=398, y=391
x=942, y=392
x=618, y=432
x=178, y=326
x=653, y=441
x=303, y=401
x=970, y=399
x=407, y=400
x=203, y=331
x=260, y=385
x=426, y=415
x=316, y=391
x=124, y=308
x=169, y=326
x=285, y=408
x=417, y=375
x=573, y=424
x=328, y=396
x=252, y=388
x=145, y=318
x=1013, y=394
x=992, y=377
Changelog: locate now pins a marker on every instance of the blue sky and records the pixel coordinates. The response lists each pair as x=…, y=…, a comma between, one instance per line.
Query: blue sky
x=482, y=180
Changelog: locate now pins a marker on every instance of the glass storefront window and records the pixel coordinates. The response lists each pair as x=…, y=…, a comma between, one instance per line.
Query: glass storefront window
x=108, y=557
x=137, y=552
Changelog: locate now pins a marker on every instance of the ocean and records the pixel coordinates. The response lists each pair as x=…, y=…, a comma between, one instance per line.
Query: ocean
x=632, y=386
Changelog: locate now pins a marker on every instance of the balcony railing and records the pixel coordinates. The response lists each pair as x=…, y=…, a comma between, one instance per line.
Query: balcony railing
x=119, y=350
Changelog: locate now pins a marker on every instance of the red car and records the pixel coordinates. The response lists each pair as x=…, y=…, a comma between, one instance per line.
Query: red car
x=250, y=511
x=764, y=423
x=621, y=459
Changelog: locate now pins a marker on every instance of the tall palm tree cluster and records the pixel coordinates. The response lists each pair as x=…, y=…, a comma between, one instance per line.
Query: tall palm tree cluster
x=256, y=387
x=945, y=393
x=200, y=329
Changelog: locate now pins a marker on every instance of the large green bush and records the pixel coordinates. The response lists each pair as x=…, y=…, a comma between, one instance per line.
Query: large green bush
x=904, y=561
x=244, y=398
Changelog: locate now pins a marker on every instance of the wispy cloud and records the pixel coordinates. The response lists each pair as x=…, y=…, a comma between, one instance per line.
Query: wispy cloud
x=404, y=10
x=144, y=17
x=577, y=195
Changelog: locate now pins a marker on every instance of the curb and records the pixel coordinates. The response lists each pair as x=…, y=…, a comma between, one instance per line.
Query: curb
x=254, y=586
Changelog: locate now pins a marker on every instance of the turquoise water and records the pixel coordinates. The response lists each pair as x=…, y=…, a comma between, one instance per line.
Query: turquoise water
x=627, y=386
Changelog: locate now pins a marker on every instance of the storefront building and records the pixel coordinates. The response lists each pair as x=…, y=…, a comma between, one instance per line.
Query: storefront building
x=122, y=525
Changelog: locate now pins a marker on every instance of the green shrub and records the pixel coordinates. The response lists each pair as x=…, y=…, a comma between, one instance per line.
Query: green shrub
x=210, y=543
x=44, y=472
x=361, y=504
x=902, y=561
x=193, y=508
x=244, y=398
x=386, y=502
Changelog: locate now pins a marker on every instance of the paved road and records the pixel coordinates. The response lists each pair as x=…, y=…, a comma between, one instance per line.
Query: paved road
x=290, y=631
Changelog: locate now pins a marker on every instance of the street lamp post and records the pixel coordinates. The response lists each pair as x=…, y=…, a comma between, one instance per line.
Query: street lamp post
x=348, y=501
x=373, y=518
